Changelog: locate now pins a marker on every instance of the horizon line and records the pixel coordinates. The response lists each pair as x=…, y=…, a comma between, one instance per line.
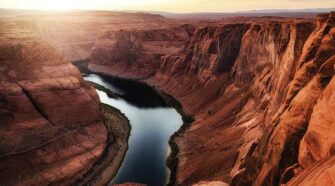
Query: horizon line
x=273, y=10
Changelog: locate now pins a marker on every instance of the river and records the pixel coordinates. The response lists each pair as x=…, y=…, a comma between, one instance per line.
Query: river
x=153, y=122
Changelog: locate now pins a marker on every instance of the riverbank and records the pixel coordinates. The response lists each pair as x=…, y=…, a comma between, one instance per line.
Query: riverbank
x=172, y=161
x=106, y=167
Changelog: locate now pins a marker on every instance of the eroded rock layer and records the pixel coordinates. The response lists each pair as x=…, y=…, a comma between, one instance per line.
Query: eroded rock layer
x=51, y=130
x=73, y=33
x=260, y=92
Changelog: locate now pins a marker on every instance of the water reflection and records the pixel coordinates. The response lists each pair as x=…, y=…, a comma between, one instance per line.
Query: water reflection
x=152, y=126
x=134, y=93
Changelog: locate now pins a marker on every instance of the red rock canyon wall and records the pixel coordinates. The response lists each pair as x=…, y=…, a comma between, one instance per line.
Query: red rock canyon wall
x=47, y=113
x=260, y=91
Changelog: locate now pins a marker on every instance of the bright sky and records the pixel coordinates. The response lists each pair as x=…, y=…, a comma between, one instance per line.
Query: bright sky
x=167, y=5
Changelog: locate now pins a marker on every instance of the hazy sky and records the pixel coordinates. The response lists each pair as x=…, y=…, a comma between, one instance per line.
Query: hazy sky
x=167, y=5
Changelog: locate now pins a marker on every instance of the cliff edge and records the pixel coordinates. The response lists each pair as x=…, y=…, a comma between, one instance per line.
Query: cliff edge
x=51, y=127
x=260, y=91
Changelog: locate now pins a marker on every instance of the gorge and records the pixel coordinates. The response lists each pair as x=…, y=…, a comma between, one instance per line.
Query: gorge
x=255, y=86
x=260, y=90
x=152, y=125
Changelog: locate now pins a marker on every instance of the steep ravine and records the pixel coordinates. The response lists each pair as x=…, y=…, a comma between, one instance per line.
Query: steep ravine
x=260, y=92
x=52, y=131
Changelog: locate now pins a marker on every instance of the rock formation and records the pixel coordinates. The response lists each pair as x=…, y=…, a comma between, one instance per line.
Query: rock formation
x=51, y=130
x=73, y=34
x=260, y=91
x=138, y=52
x=211, y=183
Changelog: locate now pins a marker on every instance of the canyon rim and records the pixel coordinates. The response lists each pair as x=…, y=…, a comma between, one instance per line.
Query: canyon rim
x=255, y=92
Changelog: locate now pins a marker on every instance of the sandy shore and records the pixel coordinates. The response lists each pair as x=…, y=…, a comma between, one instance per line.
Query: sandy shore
x=107, y=165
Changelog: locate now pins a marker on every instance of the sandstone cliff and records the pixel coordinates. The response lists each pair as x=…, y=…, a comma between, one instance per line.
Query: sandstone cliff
x=51, y=130
x=261, y=92
x=73, y=33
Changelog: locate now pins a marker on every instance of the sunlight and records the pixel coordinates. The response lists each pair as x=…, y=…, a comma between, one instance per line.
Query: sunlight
x=165, y=5
x=83, y=4
x=58, y=5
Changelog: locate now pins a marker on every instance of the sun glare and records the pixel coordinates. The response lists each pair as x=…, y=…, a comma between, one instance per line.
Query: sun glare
x=91, y=4
x=164, y=5
x=58, y=5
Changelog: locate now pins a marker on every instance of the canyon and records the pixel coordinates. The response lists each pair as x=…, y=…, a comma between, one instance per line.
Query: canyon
x=260, y=91
x=52, y=129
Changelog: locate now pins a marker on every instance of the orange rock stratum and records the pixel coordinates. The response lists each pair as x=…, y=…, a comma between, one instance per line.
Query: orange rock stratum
x=261, y=91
